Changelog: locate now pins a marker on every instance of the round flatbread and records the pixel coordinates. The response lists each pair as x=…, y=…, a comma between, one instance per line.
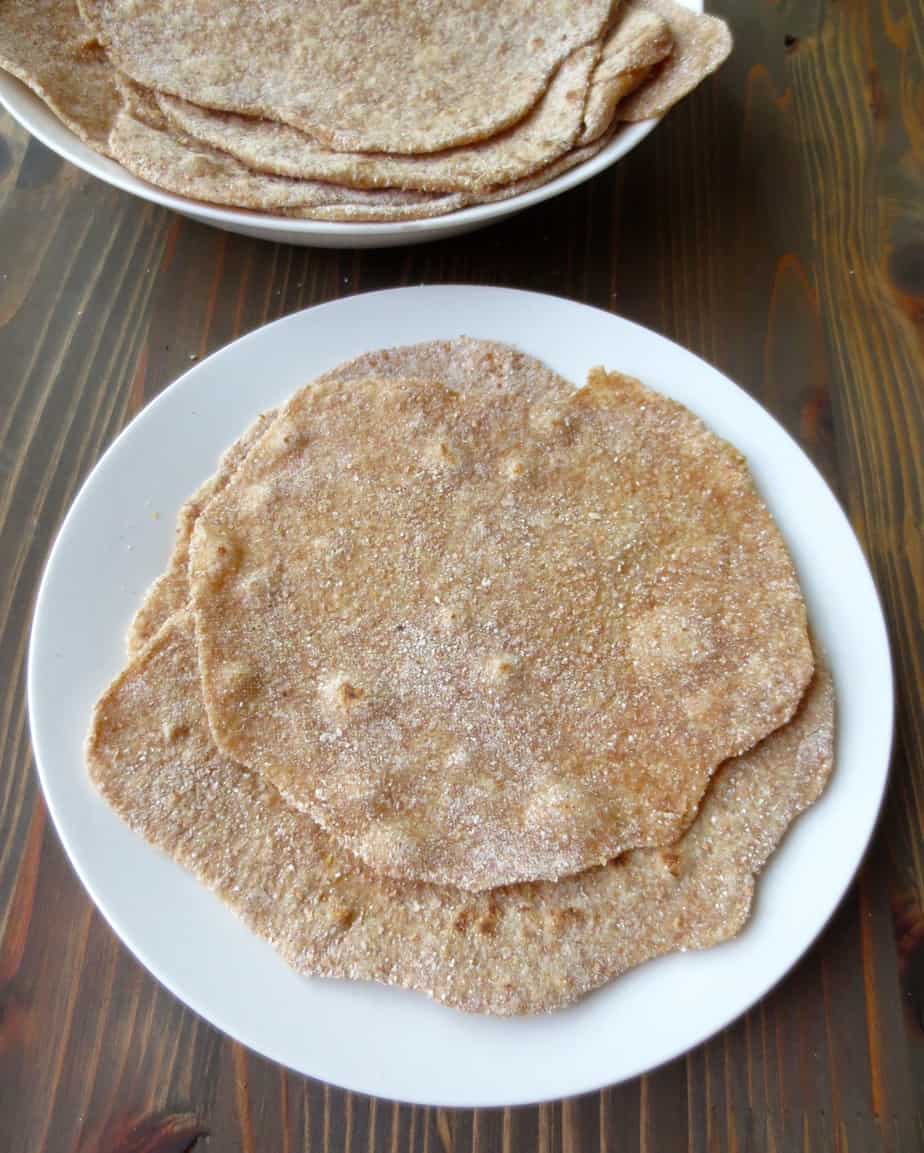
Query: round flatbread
x=522, y=949
x=484, y=638
x=361, y=76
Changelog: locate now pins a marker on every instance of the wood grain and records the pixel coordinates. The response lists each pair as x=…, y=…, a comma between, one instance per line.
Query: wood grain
x=773, y=224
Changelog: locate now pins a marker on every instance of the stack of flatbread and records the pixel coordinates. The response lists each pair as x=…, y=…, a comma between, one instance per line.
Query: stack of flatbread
x=363, y=111
x=467, y=679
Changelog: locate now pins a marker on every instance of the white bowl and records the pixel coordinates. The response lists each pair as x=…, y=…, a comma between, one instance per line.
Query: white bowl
x=36, y=118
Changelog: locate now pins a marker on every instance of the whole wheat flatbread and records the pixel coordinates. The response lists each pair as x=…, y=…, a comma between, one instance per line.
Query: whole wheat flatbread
x=564, y=164
x=46, y=45
x=637, y=42
x=365, y=76
x=483, y=640
x=181, y=165
x=145, y=143
x=170, y=592
x=701, y=44
x=268, y=146
x=522, y=949
x=464, y=364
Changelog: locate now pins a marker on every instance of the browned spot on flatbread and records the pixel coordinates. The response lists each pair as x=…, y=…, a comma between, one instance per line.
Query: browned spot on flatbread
x=466, y=364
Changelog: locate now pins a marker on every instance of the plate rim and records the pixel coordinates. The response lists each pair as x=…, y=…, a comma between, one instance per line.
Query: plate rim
x=142, y=954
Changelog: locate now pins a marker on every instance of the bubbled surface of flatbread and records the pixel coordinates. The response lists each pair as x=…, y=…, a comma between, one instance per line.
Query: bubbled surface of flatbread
x=400, y=76
x=483, y=638
x=521, y=949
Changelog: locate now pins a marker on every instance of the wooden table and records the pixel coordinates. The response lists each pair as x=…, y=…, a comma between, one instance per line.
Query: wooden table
x=772, y=224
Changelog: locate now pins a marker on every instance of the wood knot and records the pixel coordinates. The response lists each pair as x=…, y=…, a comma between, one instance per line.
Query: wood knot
x=906, y=269
x=159, y=1133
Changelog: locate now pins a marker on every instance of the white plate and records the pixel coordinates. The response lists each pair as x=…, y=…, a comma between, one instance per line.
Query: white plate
x=35, y=117
x=115, y=540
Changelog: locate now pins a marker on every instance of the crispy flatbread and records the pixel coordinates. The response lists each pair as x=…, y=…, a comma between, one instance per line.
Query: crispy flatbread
x=364, y=76
x=484, y=640
x=464, y=364
x=522, y=949
x=46, y=45
x=701, y=44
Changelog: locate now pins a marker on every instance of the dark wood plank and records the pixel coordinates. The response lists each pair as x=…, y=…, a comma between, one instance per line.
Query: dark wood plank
x=772, y=224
